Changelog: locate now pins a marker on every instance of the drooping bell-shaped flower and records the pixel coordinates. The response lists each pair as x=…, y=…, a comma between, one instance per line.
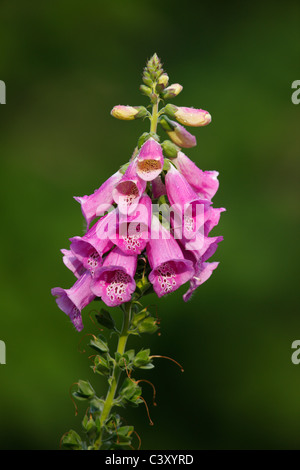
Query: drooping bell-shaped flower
x=73, y=263
x=129, y=189
x=150, y=160
x=133, y=231
x=72, y=301
x=185, y=201
x=202, y=273
x=188, y=116
x=169, y=267
x=205, y=183
x=100, y=201
x=96, y=242
x=115, y=280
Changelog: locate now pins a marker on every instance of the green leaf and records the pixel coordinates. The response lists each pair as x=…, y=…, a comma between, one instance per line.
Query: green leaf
x=96, y=405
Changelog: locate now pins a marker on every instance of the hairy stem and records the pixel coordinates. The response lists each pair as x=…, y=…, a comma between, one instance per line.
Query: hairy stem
x=115, y=374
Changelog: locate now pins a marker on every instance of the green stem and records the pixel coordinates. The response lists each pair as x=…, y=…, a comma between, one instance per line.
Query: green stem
x=115, y=375
x=155, y=114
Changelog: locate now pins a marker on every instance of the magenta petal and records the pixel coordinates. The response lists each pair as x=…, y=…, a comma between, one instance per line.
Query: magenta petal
x=158, y=187
x=150, y=160
x=169, y=267
x=115, y=280
x=73, y=263
x=90, y=248
x=73, y=300
x=213, y=219
x=133, y=231
x=129, y=190
x=100, y=201
x=203, y=273
x=201, y=246
x=205, y=183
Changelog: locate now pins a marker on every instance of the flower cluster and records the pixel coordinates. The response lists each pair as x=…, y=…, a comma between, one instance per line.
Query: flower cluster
x=149, y=224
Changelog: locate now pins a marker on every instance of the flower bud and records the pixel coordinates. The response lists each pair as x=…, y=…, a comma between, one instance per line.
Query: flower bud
x=188, y=116
x=170, y=150
x=145, y=90
x=177, y=133
x=128, y=113
x=162, y=82
x=172, y=91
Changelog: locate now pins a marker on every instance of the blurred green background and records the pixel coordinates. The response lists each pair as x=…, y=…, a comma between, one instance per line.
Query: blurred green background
x=65, y=65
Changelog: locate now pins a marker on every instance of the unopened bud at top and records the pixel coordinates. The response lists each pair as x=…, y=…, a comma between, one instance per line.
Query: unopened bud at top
x=128, y=113
x=188, y=116
x=172, y=91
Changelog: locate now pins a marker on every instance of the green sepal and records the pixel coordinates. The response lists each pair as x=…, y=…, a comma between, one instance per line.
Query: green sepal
x=130, y=392
x=169, y=149
x=72, y=441
x=85, y=391
x=99, y=344
x=101, y=365
x=142, y=358
x=105, y=319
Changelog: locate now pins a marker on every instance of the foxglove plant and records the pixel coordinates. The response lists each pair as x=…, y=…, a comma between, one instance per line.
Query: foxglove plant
x=147, y=231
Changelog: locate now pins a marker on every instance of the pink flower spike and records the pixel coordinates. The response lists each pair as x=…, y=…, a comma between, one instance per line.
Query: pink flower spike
x=72, y=301
x=150, y=160
x=169, y=267
x=100, y=201
x=205, y=183
x=129, y=189
x=202, y=274
x=90, y=248
x=133, y=231
x=73, y=263
x=115, y=280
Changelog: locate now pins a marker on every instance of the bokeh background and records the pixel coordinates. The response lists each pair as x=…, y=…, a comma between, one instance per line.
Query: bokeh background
x=65, y=65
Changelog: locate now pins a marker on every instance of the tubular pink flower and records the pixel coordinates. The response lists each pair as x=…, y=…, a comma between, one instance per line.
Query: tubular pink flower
x=158, y=187
x=205, y=183
x=202, y=273
x=129, y=189
x=150, y=160
x=115, y=280
x=184, y=200
x=169, y=267
x=72, y=301
x=181, y=137
x=100, y=201
x=73, y=263
x=90, y=248
x=133, y=231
